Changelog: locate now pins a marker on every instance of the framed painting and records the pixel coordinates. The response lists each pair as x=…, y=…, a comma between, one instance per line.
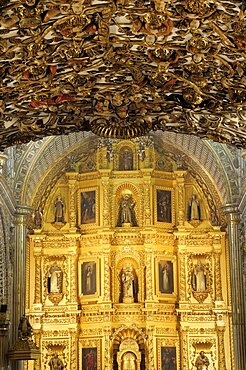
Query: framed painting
x=165, y=277
x=88, y=207
x=163, y=205
x=168, y=358
x=89, y=359
x=89, y=278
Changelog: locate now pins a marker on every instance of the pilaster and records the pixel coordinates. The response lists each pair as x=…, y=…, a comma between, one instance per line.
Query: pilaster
x=236, y=277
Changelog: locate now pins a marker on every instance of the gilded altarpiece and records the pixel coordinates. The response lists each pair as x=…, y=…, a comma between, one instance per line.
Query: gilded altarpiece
x=133, y=274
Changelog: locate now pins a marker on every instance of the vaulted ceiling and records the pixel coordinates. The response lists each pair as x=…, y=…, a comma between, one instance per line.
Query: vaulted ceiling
x=122, y=68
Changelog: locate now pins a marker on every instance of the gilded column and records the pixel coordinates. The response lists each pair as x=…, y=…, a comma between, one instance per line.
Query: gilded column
x=184, y=347
x=221, y=348
x=147, y=201
x=107, y=357
x=151, y=348
x=37, y=293
x=73, y=276
x=37, y=336
x=237, y=297
x=182, y=277
x=218, y=285
x=149, y=283
x=180, y=188
x=106, y=201
x=73, y=350
x=106, y=278
x=72, y=178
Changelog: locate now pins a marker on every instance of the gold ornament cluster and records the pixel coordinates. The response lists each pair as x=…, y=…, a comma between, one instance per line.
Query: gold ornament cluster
x=122, y=68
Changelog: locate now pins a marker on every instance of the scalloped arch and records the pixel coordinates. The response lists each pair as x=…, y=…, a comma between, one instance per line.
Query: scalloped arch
x=208, y=161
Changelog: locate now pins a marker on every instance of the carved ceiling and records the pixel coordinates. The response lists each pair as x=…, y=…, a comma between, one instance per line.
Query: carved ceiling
x=122, y=68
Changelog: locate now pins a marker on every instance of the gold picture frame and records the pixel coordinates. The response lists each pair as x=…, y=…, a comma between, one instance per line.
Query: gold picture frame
x=166, y=277
x=90, y=354
x=164, y=214
x=88, y=200
x=89, y=279
x=168, y=353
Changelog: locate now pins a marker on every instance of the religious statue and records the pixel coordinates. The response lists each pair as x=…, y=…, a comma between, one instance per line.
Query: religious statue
x=202, y=361
x=37, y=219
x=126, y=211
x=128, y=284
x=56, y=363
x=24, y=329
x=194, y=209
x=199, y=278
x=59, y=210
x=55, y=280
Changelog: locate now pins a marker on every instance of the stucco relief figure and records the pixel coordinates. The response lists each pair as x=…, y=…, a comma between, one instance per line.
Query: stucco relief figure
x=194, y=212
x=126, y=211
x=202, y=362
x=56, y=363
x=199, y=278
x=126, y=160
x=128, y=284
x=59, y=210
x=55, y=280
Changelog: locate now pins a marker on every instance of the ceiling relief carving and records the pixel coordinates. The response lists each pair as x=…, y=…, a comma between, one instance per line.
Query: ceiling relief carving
x=122, y=68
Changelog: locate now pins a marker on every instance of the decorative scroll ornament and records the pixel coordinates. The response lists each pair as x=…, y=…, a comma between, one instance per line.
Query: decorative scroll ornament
x=122, y=68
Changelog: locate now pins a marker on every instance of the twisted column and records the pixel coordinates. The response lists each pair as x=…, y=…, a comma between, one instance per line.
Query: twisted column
x=149, y=285
x=237, y=297
x=218, y=285
x=180, y=187
x=72, y=178
x=221, y=348
x=37, y=294
x=106, y=278
x=73, y=276
x=184, y=348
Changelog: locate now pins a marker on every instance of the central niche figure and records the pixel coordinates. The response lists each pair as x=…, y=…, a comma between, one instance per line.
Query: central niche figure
x=199, y=278
x=126, y=213
x=129, y=288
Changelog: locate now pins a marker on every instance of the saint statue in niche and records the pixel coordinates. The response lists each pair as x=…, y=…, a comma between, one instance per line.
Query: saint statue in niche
x=202, y=362
x=194, y=212
x=129, y=285
x=55, y=280
x=126, y=211
x=199, y=278
x=126, y=160
x=59, y=210
x=56, y=363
